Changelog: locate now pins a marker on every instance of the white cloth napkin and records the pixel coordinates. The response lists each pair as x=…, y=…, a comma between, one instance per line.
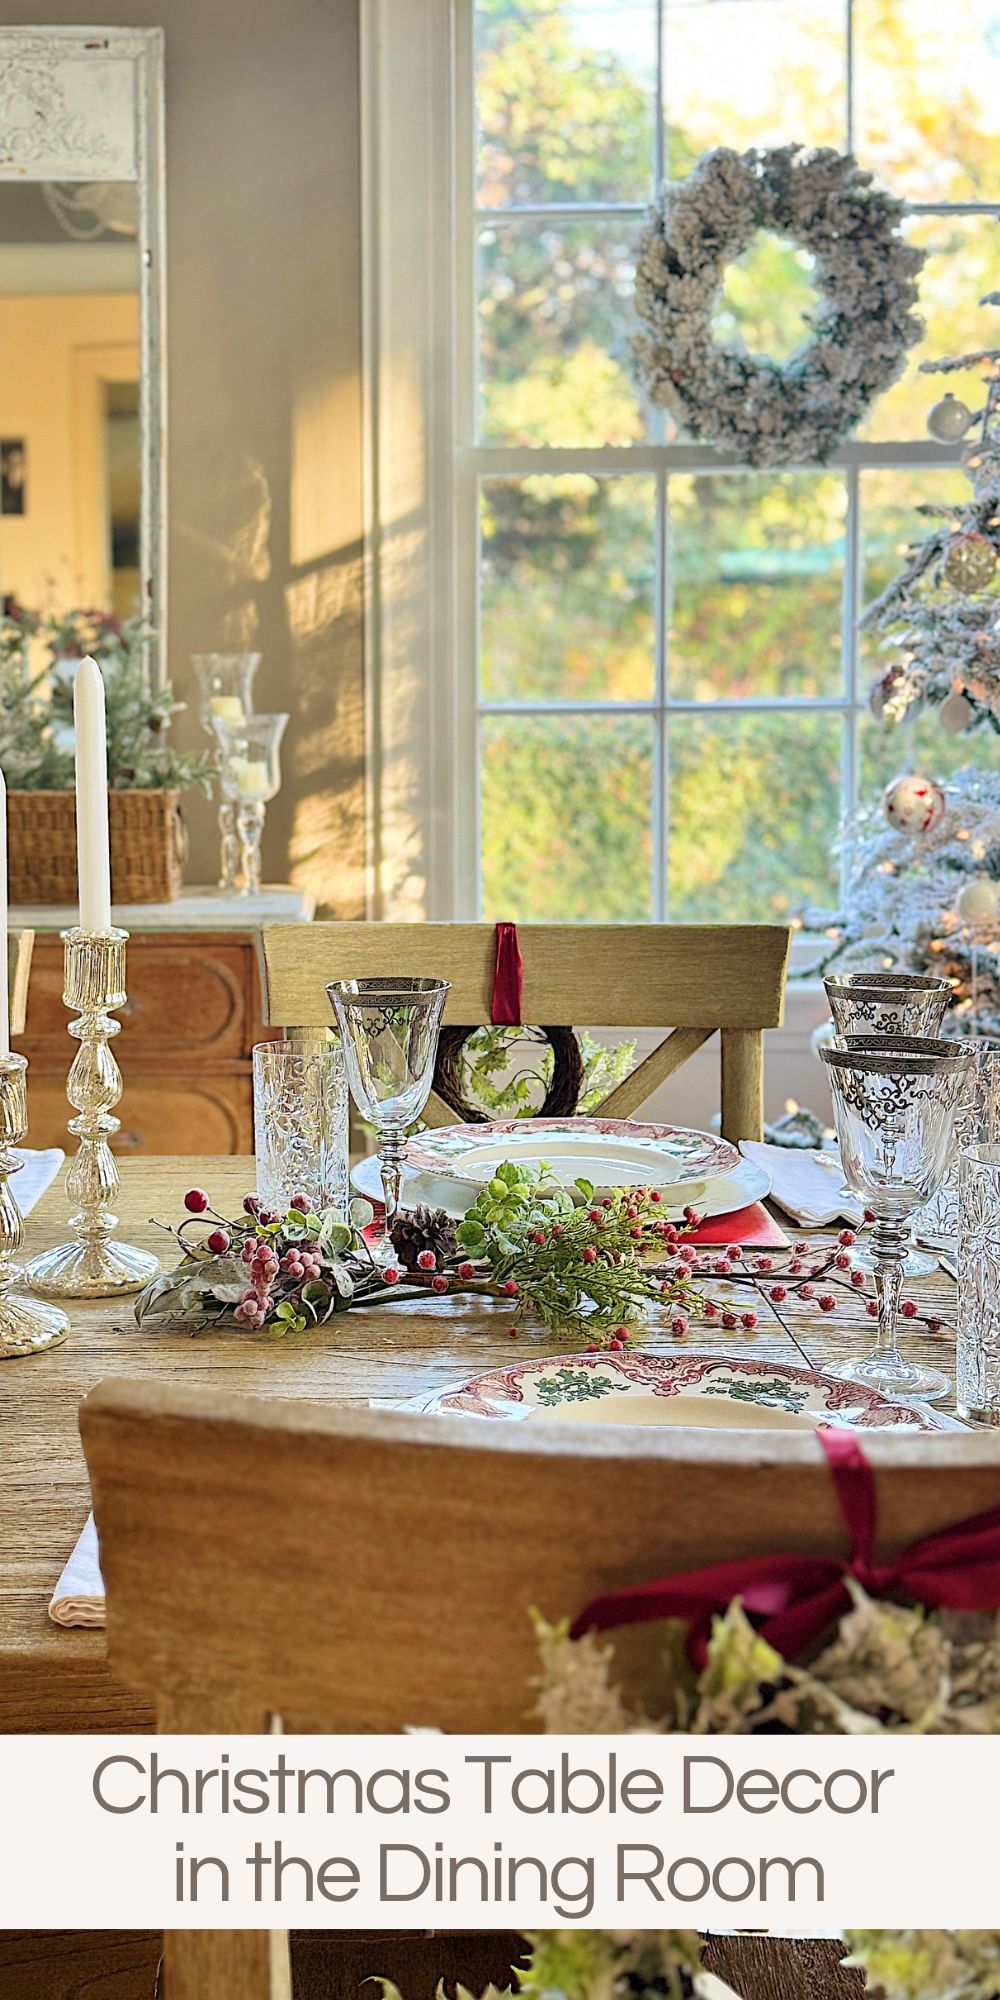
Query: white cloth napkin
x=78, y=1598
x=805, y=1184
x=38, y=1171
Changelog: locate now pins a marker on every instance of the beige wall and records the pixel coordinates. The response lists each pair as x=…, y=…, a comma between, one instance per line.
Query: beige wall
x=264, y=297
x=54, y=352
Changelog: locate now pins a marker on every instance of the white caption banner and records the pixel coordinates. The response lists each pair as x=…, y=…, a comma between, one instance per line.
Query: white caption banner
x=807, y=1833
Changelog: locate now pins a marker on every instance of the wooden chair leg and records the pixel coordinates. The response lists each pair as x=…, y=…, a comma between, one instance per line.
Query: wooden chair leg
x=742, y=1084
x=220, y=1965
x=206, y=1965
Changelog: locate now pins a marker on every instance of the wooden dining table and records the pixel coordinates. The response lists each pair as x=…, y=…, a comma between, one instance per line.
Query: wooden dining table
x=55, y=1679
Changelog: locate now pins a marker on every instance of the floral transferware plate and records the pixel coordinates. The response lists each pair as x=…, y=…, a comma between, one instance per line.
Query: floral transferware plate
x=722, y=1195
x=704, y=1391
x=609, y=1152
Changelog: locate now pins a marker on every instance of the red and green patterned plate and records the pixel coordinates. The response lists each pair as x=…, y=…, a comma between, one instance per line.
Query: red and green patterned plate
x=704, y=1391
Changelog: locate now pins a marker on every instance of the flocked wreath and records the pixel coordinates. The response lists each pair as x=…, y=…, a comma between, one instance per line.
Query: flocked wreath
x=766, y=412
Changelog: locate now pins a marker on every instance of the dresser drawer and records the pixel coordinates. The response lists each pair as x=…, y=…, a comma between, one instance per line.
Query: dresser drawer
x=179, y=1114
x=189, y=996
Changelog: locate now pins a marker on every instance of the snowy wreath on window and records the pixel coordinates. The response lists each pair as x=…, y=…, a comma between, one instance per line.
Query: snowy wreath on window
x=766, y=412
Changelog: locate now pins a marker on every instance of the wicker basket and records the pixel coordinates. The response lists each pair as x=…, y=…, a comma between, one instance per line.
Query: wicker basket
x=147, y=847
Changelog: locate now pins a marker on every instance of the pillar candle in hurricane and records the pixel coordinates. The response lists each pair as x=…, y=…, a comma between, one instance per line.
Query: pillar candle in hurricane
x=92, y=843
x=4, y=997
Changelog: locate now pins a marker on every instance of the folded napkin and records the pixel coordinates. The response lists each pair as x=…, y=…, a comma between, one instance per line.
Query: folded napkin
x=78, y=1598
x=38, y=1171
x=805, y=1184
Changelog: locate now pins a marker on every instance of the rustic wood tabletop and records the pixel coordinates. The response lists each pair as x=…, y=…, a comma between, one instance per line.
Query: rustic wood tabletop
x=54, y=1679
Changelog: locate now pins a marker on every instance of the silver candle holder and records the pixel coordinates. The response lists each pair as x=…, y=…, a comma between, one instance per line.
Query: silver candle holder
x=92, y=1265
x=26, y=1326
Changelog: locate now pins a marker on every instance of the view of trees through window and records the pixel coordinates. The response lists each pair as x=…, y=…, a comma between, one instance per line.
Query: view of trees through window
x=672, y=698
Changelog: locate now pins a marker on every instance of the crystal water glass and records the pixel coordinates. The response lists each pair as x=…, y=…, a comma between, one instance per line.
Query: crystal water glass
x=250, y=775
x=978, y=1370
x=889, y=1003
x=225, y=689
x=977, y=1123
x=389, y=1030
x=300, y=1123
x=895, y=1100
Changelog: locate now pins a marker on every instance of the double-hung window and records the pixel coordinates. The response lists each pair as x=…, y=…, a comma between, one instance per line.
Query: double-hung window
x=657, y=702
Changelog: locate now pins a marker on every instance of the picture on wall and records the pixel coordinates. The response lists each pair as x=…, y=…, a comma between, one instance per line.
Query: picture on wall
x=12, y=476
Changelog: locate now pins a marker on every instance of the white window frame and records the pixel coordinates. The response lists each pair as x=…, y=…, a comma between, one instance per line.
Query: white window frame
x=423, y=468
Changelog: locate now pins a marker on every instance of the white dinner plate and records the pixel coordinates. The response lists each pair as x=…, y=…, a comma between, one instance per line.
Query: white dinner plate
x=609, y=1152
x=704, y=1391
x=722, y=1196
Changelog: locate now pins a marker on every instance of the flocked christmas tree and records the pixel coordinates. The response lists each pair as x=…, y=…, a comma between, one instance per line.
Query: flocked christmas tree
x=923, y=868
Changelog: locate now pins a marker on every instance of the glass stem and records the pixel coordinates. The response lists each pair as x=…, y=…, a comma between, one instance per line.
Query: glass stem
x=390, y=1159
x=250, y=826
x=890, y=1242
x=229, y=846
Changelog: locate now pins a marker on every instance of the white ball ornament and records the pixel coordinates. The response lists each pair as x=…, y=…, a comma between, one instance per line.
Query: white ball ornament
x=978, y=903
x=914, y=804
x=949, y=419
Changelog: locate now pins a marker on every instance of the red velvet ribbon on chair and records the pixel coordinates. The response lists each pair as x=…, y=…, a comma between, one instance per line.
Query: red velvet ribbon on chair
x=793, y=1598
x=508, y=975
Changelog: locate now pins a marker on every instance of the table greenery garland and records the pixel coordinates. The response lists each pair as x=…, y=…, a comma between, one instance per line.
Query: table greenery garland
x=635, y=1965
x=588, y=1267
x=765, y=412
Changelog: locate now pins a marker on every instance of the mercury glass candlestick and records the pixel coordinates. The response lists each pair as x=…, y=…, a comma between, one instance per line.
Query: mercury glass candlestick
x=225, y=690
x=93, y=1264
x=250, y=775
x=26, y=1325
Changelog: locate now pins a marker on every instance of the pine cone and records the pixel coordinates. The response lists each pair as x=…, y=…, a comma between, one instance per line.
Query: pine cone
x=423, y=1228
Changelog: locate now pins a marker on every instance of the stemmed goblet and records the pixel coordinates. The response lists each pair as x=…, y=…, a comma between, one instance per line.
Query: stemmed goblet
x=895, y=1099
x=250, y=775
x=389, y=1029
x=889, y=1003
x=225, y=689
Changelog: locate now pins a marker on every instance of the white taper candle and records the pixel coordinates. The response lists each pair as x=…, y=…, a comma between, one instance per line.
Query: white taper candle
x=4, y=993
x=92, y=847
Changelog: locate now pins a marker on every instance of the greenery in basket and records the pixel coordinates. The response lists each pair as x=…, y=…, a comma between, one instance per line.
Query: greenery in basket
x=36, y=707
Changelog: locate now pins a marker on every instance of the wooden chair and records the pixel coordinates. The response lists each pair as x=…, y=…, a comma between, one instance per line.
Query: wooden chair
x=692, y=980
x=361, y=1570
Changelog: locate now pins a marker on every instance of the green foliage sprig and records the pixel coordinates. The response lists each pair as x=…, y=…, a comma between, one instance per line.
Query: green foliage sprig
x=571, y=1258
x=36, y=709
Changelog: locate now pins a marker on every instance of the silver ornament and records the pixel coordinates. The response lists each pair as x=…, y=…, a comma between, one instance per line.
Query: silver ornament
x=970, y=563
x=949, y=419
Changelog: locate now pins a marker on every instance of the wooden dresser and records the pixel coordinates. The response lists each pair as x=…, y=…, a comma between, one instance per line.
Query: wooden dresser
x=188, y=1026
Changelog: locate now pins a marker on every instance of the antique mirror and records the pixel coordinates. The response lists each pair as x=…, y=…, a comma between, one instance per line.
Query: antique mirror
x=82, y=523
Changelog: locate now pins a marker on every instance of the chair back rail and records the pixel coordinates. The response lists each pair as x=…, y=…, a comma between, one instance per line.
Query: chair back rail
x=360, y=1570
x=691, y=979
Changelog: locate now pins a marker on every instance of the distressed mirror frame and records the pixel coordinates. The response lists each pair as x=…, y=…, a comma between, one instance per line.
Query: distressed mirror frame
x=87, y=104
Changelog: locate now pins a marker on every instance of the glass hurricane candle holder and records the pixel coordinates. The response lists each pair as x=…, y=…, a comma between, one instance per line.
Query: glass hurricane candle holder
x=250, y=775
x=895, y=1100
x=389, y=1030
x=225, y=690
x=978, y=1369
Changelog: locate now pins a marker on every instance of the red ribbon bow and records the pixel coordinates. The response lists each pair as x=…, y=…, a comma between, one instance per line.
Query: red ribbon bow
x=796, y=1597
x=505, y=1011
